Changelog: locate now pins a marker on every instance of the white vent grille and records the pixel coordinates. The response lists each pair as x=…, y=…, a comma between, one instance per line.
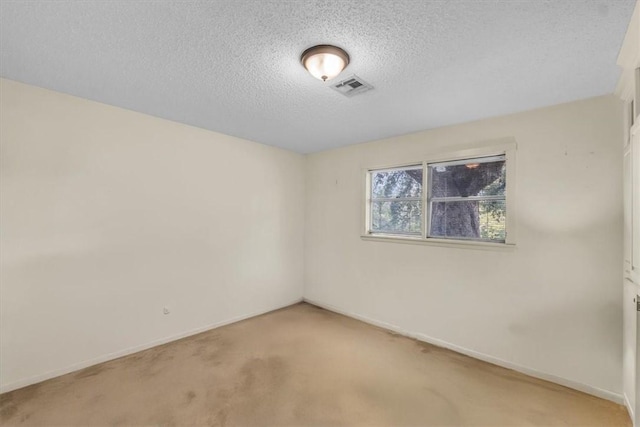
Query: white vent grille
x=352, y=86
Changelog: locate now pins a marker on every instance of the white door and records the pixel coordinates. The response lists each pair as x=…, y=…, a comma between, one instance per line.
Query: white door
x=636, y=421
x=634, y=166
x=632, y=273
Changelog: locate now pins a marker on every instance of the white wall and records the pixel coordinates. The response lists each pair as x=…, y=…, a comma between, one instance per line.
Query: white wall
x=110, y=215
x=551, y=306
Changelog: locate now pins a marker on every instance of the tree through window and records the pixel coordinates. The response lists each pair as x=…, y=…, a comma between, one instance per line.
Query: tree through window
x=467, y=199
x=396, y=200
x=464, y=199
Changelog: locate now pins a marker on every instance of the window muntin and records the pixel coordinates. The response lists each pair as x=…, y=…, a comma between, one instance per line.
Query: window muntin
x=458, y=200
x=467, y=199
x=396, y=200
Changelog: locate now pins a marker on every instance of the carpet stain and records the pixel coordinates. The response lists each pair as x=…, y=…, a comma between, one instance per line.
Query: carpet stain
x=7, y=412
x=90, y=371
x=11, y=403
x=221, y=418
x=425, y=347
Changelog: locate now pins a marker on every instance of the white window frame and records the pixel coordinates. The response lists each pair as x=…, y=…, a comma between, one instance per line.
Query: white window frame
x=506, y=147
x=371, y=200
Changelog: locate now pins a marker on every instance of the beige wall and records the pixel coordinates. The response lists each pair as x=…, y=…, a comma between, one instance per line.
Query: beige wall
x=551, y=306
x=109, y=215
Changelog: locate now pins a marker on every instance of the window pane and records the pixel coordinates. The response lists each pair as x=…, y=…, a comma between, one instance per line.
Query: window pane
x=397, y=183
x=396, y=217
x=483, y=220
x=469, y=179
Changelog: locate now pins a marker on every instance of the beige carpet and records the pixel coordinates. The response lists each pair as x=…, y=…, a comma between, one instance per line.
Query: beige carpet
x=302, y=366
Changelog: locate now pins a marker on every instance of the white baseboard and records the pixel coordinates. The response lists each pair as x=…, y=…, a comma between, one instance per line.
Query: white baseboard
x=627, y=403
x=595, y=391
x=107, y=357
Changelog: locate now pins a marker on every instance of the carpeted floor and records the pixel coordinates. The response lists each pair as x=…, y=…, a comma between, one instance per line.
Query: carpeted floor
x=302, y=366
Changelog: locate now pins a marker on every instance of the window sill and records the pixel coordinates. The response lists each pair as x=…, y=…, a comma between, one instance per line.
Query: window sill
x=447, y=243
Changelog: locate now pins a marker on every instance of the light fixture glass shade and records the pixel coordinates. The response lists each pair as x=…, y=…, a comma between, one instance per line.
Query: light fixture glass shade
x=324, y=62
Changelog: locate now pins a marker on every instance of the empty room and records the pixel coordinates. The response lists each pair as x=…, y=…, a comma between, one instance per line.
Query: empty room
x=320, y=213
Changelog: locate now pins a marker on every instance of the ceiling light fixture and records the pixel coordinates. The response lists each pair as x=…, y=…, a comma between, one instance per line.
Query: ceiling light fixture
x=324, y=61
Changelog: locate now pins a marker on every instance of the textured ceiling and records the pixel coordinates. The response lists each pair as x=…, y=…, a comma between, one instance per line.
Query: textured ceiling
x=233, y=66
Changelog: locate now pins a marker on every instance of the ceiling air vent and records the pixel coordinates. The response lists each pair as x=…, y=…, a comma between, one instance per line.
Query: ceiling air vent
x=352, y=86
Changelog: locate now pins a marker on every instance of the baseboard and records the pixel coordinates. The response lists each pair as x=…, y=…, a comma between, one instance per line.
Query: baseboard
x=115, y=355
x=627, y=403
x=595, y=391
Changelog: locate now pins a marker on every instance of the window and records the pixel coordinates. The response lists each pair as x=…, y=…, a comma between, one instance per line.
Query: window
x=464, y=197
x=467, y=199
x=396, y=201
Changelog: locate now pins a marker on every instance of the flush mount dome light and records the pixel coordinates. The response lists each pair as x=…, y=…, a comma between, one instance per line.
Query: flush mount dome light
x=324, y=61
